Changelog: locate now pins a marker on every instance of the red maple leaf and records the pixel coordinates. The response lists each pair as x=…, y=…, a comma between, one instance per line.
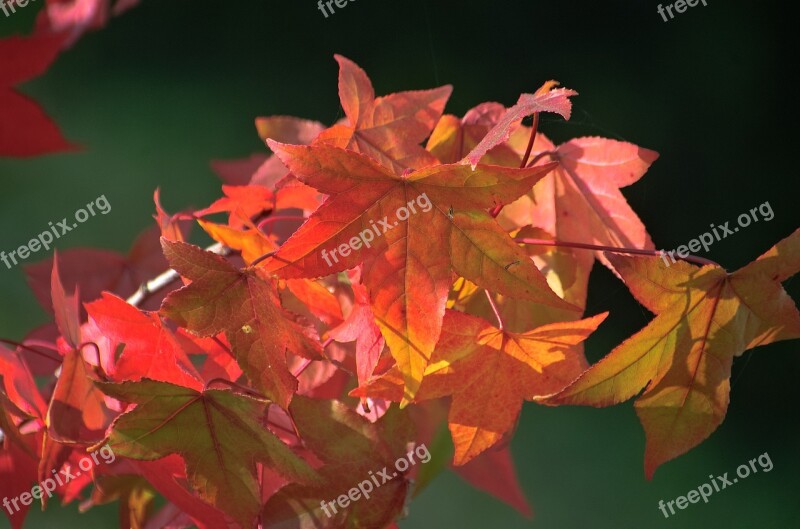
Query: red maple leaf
x=25, y=130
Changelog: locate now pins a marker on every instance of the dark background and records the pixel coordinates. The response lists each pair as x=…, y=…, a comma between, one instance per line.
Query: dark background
x=172, y=84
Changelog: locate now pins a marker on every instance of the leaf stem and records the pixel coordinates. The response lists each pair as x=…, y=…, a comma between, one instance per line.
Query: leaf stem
x=32, y=350
x=635, y=251
x=223, y=346
x=494, y=309
x=284, y=429
x=534, y=129
x=278, y=218
x=233, y=385
x=303, y=366
x=294, y=427
x=333, y=361
x=261, y=258
x=540, y=156
x=100, y=370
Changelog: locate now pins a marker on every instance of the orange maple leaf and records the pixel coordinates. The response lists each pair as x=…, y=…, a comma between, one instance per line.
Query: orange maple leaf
x=580, y=201
x=389, y=129
x=222, y=298
x=409, y=267
x=705, y=317
x=489, y=373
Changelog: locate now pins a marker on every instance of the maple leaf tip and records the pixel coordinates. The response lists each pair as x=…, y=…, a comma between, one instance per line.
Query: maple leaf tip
x=650, y=470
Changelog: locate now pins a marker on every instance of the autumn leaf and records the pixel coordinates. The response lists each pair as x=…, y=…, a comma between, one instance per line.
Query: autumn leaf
x=352, y=450
x=267, y=170
x=704, y=318
x=25, y=130
x=360, y=327
x=65, y=309
x=489, y=373
x=250, y=241
x=150, y=349
x=242, y=203
x=168, y=477
x=77, y=415
x=219, y=362
x=493, y=472
x=410, y=262
x=546, y=99
x=227, y=438
x=174, y=227
x=314, y=298
x=17, y=472
x=242, y=171
x=567, y=273
x=454, y=138
x=580, y=200
x=18, y=385
x=263, y=169
x=222, y=298
x=288, y=129
x=77, y=412
x=388, y=129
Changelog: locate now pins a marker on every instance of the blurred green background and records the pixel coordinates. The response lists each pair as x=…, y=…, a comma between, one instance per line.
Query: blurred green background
x=172, y=84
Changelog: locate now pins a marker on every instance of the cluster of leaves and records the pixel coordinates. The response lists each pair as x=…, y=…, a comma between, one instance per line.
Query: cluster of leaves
x=257, y=378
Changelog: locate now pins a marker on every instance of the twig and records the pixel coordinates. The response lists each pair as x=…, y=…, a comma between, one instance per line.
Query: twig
x=56, y=359
x=148, y=288
x=635, y=251
x=303, y=366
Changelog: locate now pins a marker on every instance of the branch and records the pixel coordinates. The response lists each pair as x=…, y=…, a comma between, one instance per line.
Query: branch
x=148, y=288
